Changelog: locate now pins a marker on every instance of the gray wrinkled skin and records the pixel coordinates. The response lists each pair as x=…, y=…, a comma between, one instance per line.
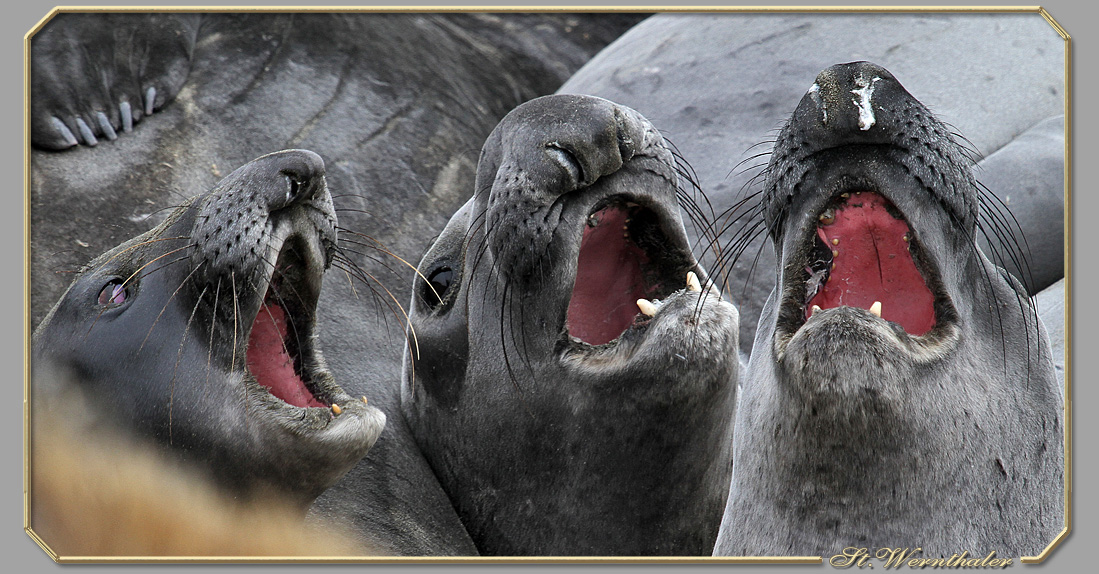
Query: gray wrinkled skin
x=849, y=431
x=167, y=359
x=546, y=445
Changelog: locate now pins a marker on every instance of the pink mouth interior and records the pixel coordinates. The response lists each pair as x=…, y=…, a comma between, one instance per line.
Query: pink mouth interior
x=872, y=263
x=609, y=280
x=269, y=362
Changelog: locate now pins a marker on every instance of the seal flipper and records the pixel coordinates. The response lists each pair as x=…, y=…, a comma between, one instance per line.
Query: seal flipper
x=96, y=75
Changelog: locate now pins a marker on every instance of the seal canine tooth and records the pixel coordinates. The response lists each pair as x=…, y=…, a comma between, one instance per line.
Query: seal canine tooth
x=647, y=308
x=365, y=402
x=876, y=308
x=692, y=282
x=814, y=310
x=336, y=409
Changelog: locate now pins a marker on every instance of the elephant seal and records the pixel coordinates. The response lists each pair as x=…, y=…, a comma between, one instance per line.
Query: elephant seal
x=901, y=392
x=201, y=335
x=720, y=86
x=559, y=418
x=397, y=105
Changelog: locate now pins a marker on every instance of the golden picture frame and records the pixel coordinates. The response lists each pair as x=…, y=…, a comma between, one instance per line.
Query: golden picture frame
x=1036, y=13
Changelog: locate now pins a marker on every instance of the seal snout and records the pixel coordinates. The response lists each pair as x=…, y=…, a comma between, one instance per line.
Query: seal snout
x=857, y=159
x=846, y=102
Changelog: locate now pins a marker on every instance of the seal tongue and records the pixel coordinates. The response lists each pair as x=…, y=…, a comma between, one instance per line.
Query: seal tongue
x=872, y=264
x=271, y=364
x=609, y=279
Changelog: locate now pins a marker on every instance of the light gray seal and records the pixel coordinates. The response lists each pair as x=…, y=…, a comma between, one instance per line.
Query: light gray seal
x=562, y=415
x=901, y=392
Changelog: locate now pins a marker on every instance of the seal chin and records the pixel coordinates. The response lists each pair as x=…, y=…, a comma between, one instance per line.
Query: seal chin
x=631, y=260
x=857, y=270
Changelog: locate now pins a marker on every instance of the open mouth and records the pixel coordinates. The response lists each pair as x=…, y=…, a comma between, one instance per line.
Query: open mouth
x=281, y=353
x=865, y=254
x=625, y=255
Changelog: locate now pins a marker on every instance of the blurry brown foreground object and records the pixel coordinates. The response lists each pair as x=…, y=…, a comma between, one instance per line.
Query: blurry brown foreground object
x=98, y=493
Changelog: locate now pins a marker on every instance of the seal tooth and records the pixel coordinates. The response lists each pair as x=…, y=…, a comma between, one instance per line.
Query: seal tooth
x=692, y=282
x=365, y=401
x=828, y=217
x=814, y=310
x=876, y=308
x=336, y=409
x=647, y=308
x=835, y=241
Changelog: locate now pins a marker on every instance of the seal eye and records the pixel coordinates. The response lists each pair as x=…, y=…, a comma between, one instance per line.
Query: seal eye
x=113, y=293
x=438, y=283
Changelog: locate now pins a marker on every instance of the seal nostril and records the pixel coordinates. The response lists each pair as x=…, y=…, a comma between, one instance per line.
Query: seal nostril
x=294, y=186
x=566, y=159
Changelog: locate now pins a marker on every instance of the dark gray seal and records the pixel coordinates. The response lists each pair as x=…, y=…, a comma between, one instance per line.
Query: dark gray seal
x=397, y=105
x=901, y=392
x=201, y=336
x=560, y=418
x=721, y=85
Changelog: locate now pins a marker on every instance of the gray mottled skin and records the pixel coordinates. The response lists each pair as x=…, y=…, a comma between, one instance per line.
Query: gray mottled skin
x=167, y=360
x=720, y=86
x=547, y=445
x=849, y=431
x=396, y=104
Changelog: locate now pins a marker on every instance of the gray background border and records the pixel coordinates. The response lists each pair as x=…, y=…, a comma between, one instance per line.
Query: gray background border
x=19, y=551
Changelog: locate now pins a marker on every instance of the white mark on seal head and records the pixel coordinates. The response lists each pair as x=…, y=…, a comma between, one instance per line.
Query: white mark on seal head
x=865, y=92
x=814, y=93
